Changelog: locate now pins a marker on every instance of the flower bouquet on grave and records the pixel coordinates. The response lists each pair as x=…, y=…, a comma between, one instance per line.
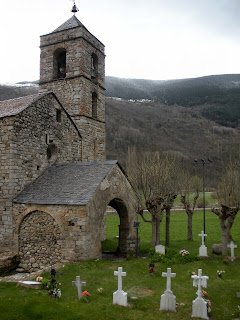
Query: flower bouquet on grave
x=208, y=305
x=53, y=287
x=183, y=252
x=151, y=269
x=220, y=273
x=204, y=293
x=85, y=296
x=225, y=260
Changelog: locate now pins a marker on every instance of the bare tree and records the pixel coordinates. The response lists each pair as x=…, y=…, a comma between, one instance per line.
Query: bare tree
x=228, y=193
x=151, y=174
x=190, y=185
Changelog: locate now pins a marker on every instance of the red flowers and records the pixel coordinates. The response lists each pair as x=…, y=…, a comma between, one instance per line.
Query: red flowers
x=85, y=293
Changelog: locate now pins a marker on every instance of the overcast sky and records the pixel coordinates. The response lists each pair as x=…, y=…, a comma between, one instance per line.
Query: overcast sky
x=144, y=39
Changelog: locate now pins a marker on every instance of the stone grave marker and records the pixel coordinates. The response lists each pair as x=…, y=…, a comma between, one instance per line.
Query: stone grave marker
x=30, y=284
x=203, y=248
x=160, y=249
x=168, y=300
x=119, y=296
x=78, y=283
x=232, y=246
x=199, y=305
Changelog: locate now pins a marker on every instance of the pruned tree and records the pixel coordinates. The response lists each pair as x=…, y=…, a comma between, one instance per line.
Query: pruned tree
x=228, y=193
x=190, y=186
x=226, y=217
x=151, y=174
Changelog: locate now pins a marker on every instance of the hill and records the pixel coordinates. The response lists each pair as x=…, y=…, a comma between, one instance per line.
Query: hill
x=195, y=118
x=220, y=94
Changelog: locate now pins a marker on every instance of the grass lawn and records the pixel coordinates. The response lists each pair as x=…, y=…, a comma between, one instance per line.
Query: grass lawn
x=17, y=303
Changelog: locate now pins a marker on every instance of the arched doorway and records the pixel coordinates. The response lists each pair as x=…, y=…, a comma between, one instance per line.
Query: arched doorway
x=39, y=241
x=122, y=224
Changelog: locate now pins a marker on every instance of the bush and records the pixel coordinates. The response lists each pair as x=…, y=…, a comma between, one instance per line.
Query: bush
x=200, y=203
x=172, y=256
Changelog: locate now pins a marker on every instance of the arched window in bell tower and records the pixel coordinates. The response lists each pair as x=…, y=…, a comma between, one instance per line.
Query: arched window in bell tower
x=94, y=66
x=94, y=105
x=59, y=64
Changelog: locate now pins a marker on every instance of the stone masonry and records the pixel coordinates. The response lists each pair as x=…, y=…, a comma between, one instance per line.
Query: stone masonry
x=55, y=184
x=25, y=140
x=76, y=88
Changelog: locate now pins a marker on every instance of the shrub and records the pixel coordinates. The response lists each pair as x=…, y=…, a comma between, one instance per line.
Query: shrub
x=172, y=256
x=200, y=203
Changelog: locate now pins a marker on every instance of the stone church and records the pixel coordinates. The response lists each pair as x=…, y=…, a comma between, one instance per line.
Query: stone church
x=55, y=183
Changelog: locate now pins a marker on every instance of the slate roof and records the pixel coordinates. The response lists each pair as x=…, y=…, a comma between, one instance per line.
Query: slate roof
x=70, y=183
x=73, y=22
x=12, y=107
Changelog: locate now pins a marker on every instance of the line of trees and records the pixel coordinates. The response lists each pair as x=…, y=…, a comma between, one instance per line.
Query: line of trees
x=158, y=177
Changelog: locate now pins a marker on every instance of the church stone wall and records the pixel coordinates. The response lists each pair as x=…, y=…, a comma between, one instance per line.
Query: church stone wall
x=7, y=176
x=24, y=142
x=79, y=45
x=67, y=238
x=74, y=232
x=76, y=89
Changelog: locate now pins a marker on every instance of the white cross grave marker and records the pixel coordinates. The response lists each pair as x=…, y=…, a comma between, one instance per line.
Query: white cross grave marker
x=203, y=248
x=168, y=300
x=232, y=246
x=78, y=283
x=119, y=296
x=199, y=305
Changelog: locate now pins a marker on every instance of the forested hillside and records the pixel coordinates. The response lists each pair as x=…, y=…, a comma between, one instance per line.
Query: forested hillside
x=194, y=117
x=220, y=94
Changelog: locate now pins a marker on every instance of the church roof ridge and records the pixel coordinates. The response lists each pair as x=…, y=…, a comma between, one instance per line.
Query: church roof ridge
x=71, y=23
x=14, y=106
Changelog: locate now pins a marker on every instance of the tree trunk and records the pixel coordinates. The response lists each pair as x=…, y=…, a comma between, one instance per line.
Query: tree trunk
x=167, y=242
x=154, y=224
x=189, y=236
x=158, y=231
x=224, y=241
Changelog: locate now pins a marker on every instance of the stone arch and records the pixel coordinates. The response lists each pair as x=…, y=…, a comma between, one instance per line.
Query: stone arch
x=122, y=211
x=39, y=241
x=59, y=63
x=52, y=152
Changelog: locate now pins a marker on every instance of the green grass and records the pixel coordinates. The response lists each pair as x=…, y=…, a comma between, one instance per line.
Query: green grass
x=17, y=303
x=178, y=232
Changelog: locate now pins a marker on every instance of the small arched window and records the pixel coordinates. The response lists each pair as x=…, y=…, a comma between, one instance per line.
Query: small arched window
x=94, y=66
x=59, y=64
x=94, y=105
x=52, y=152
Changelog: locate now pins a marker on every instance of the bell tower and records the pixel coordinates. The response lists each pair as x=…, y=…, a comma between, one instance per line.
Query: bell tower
x=72, y=65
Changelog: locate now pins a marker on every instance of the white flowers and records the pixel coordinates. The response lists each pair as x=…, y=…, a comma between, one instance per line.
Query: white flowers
x=183, y=252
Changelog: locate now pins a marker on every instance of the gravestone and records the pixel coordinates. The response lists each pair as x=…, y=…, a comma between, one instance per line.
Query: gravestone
x=217, y=248
x=30, y=284
x=168, y=300
x=199, y=305
x=160, y=249
x=119, y=296
x=232, y=246
x=203, y=248
x=78, y=283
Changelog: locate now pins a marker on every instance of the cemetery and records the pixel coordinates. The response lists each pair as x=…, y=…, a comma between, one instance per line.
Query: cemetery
x=76, y=261
x=183, y=285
